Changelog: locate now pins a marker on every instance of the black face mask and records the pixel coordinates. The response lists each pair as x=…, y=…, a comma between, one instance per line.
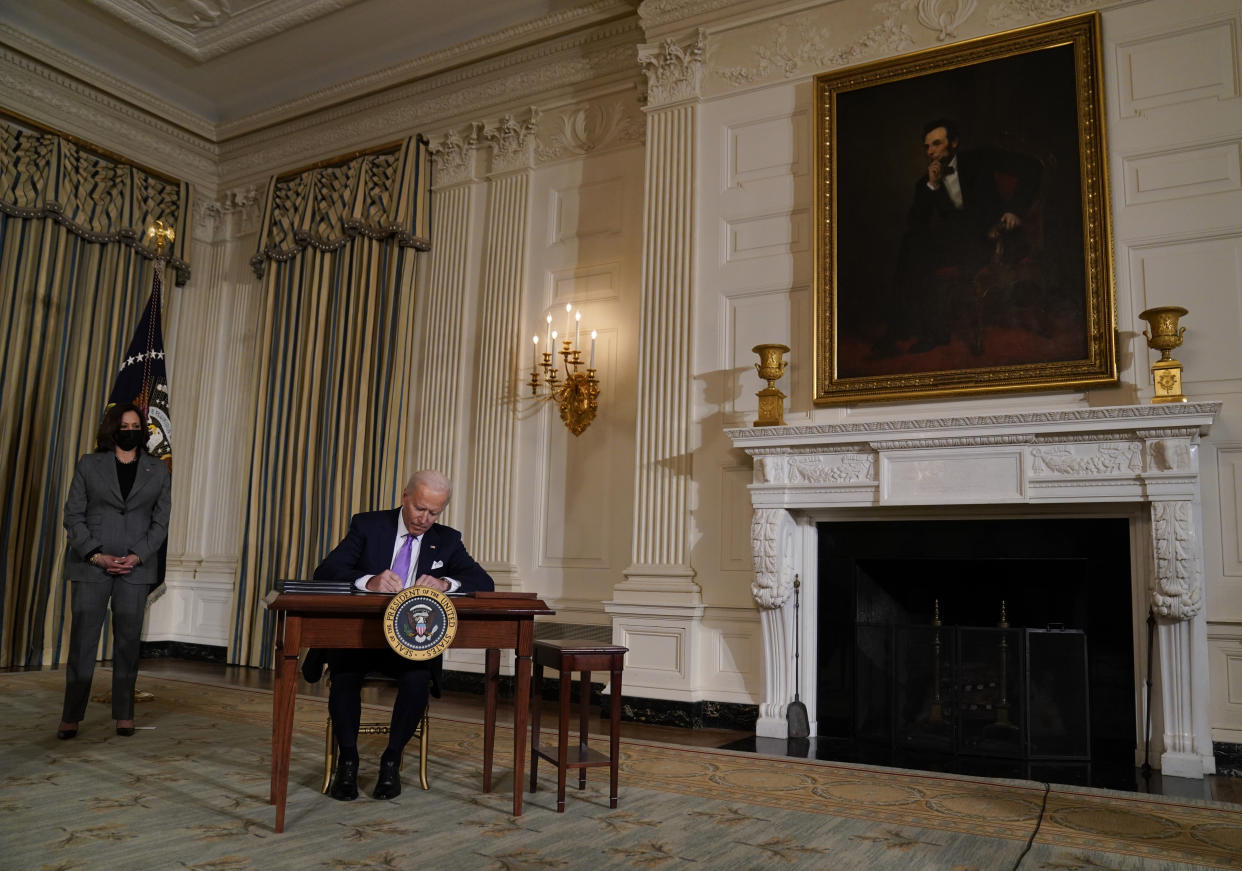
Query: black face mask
x=128, y=439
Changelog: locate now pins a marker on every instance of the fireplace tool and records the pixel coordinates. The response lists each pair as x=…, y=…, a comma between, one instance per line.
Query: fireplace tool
x=795, y=714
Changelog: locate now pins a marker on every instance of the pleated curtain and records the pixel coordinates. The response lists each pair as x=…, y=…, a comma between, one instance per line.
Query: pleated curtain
x=74, y=277
x=333, y=413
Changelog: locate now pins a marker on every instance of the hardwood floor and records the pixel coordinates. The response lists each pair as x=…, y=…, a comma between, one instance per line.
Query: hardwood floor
x=1212, y=787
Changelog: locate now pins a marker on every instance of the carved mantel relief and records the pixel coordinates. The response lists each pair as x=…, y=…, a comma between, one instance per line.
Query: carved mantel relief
x=1177, y=588
x=772, y=532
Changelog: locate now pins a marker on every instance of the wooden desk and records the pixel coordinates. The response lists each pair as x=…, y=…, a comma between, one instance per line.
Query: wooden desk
x=490, y=621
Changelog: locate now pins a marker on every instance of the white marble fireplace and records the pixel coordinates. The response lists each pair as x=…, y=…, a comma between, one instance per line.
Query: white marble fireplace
x=1139, y=462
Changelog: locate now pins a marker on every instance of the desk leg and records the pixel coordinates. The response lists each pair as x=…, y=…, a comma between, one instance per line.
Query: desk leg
x=283, y=698
x=521, y=709
x=490, y=684
x=614, y=735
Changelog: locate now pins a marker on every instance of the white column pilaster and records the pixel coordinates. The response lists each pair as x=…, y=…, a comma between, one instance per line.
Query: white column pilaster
x=660, y=571
x=442, y=358
x=659, y=605
x=494, y=442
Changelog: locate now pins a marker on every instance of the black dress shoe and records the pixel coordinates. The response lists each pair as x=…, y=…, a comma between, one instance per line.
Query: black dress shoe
x=125, y=731
x=66, y=734
x=389, y=783
x=345, y=784
x=312, y=665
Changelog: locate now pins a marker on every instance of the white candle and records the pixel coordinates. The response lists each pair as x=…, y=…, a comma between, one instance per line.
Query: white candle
x=534, y=353
x=549, y=347
x=577, y=328
x=594, y=333
x=568, y=320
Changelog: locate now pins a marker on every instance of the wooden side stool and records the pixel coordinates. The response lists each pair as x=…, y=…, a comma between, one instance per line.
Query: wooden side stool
x=568, y=657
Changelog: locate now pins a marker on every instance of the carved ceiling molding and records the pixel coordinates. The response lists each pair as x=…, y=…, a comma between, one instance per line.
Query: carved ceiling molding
x=803, y=44
x=1004, y=14
x=61, y=65
x=43, y=94
x=613, y=53
x=661, y=18
x=206, y=29
x=567, y=132
x=481, y=57
x=408, y=109
x=799, y=43
x=590, y=128
x=944, y=17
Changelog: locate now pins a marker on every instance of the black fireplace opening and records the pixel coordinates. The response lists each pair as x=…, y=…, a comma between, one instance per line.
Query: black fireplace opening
x=991, y=647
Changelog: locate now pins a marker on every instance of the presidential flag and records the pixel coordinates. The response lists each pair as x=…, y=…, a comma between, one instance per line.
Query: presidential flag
x=143, y=377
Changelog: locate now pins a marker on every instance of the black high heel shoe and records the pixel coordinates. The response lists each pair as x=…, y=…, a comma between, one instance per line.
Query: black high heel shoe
x=125, y=731
x=66, y=734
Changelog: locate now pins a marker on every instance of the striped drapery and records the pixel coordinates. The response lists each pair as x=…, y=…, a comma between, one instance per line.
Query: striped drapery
x=74, y=276
x=334, y=368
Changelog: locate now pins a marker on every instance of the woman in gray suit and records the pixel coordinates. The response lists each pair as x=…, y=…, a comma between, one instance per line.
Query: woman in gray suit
x=116, y=518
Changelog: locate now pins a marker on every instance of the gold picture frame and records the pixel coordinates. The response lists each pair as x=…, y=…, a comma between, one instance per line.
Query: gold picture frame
x=1005, y=284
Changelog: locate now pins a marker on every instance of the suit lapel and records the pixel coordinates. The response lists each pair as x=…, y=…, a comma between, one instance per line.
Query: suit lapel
x=381, y=550
x=427, y=552
x=142, y=474
x=106, y=469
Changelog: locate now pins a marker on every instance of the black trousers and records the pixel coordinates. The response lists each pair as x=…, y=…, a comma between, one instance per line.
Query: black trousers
x=349, y=668
x=90, y=602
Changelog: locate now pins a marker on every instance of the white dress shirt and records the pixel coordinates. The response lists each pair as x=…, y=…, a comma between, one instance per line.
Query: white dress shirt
x=953, y=184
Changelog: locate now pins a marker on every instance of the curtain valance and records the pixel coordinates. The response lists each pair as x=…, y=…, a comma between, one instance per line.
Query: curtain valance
x=43, y=175
x=381, y=194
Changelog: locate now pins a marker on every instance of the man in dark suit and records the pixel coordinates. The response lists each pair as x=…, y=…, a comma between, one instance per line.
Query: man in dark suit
x=967, y=214
x=384, y=552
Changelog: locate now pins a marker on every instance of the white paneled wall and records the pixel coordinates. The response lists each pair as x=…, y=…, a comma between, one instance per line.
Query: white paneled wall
x=1174, y=111
x=1175, y=128
x=586, y=229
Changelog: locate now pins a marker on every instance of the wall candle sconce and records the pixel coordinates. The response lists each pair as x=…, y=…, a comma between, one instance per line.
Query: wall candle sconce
x=577, y=395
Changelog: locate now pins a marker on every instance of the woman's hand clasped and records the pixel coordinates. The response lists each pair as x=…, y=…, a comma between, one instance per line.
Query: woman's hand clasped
x=116, y=565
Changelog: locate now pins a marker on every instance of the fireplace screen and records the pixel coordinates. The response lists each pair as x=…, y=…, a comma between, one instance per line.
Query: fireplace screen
x=974, y=691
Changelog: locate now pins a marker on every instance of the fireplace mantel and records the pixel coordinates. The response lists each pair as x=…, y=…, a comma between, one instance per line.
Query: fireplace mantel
x=1144, y=454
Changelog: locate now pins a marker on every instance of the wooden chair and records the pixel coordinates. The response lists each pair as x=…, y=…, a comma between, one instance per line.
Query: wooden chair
x=568, y=657
x=376, y=728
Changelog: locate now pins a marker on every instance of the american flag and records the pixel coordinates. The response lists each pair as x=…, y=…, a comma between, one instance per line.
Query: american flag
x=143, y=377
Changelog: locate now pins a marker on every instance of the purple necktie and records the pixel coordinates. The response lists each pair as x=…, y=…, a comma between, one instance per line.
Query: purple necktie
x=401, y=565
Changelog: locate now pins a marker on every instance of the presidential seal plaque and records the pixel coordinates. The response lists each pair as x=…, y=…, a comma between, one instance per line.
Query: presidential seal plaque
x=420, y=623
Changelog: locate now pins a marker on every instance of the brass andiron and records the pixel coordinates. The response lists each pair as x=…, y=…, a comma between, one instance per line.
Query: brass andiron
x=937, y=708
x=770, y=368
x=1003, y=728
x=1165, y=335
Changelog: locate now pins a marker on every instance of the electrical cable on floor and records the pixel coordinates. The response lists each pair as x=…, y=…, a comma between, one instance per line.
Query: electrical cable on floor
x=1038, y=822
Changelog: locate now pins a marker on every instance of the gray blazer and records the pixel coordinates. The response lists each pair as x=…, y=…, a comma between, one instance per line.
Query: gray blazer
x=97, y=517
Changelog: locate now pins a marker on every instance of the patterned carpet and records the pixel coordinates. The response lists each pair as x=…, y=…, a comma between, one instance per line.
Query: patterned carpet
x=192, y=793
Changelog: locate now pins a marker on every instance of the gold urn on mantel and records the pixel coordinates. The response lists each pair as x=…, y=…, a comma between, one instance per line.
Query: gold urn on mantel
x=1165, y=335
x=771, y=367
